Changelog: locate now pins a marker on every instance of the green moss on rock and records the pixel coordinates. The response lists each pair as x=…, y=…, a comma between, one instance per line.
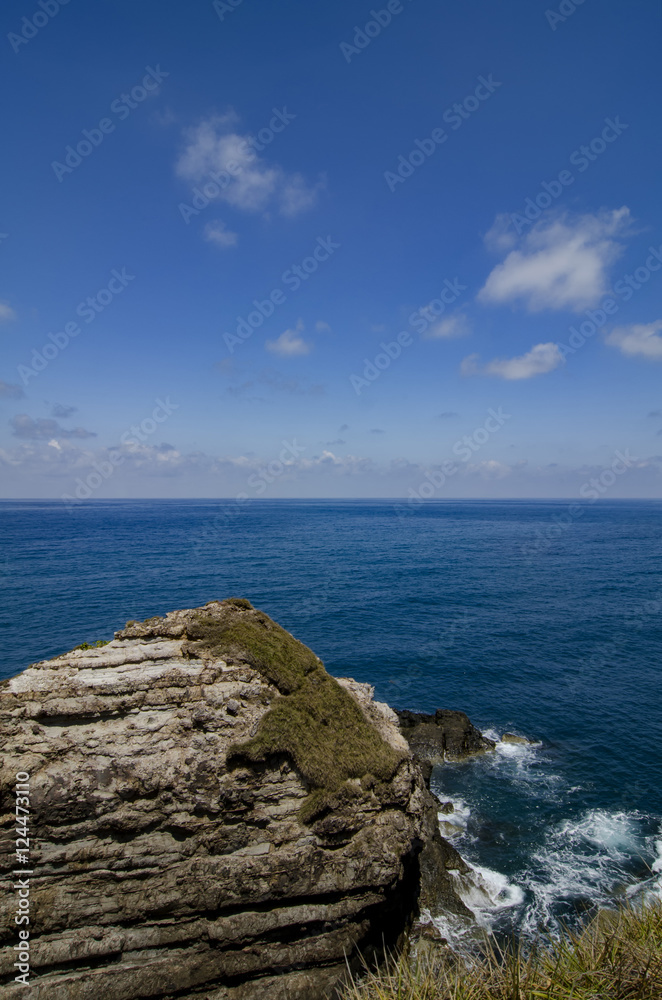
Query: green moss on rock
x=239, y=602
x=314, y=721
x=258, y=640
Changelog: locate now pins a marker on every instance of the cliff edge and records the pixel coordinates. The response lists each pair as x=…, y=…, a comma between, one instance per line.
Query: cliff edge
x=212, y=815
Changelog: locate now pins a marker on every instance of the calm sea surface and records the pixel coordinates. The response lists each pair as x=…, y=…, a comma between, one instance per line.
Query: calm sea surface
x=531, y=620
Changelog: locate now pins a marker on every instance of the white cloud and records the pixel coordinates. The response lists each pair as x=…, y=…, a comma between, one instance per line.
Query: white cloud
x=290, y=343
x=560, y=264
x=6, y=312
x=217, y=232
x=243, y=179
x=489, y=469
x=296, y=195
x=322, y=327
x=501, y=236
x=452, y=326
x=54, y=467
x=640, y=340
x=539, y=360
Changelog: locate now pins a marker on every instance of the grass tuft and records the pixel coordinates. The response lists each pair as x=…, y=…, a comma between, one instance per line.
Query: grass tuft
x=618, y=956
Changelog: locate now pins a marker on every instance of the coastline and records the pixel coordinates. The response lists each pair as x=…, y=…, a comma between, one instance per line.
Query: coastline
x=107, y=734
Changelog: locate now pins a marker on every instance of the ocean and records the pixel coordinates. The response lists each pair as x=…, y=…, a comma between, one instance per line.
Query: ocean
x=538, y=618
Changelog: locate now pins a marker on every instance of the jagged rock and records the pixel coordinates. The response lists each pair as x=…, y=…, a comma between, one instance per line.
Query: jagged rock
x=212, y=816
x=512, y=738
x=446, y=735
x=437, y=891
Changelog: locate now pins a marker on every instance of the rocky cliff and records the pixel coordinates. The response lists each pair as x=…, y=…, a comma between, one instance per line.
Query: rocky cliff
x=212, y=816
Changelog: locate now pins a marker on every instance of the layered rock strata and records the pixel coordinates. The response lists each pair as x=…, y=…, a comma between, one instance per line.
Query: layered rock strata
x=212, y=816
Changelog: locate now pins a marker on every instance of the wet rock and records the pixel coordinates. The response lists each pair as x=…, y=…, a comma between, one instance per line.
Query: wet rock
x=446, y=735
x=438, y=858
x=512, y=738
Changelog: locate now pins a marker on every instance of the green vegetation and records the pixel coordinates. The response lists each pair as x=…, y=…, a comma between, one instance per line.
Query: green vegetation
x=618, y=956
x=253, y=637
x=315, y=721
x=93, y=645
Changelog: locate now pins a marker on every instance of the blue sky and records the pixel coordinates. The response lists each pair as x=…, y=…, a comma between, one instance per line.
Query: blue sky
x=462, y=183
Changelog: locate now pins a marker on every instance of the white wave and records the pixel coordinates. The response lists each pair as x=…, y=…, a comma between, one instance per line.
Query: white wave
x=587, y=860
x=657, y=864
x=583, y=862
x=519, y=763
x=615, y=833
x=454, y=824
x=522, y=764
x=487, y=893
x=456, y=930
x=521, y=752
x=493, y=734
x=650, y=888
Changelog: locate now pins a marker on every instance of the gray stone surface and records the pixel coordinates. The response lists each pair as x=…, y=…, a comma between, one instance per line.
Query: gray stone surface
x=161, y=870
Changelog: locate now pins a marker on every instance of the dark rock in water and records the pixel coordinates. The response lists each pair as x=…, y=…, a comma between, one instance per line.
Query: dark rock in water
x=512, y=738
x=213, y=816
x=446, y=808
x=446, y=735
x=437, y=859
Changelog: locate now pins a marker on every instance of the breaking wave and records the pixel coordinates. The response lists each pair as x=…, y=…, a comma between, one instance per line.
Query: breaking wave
x=538, y=860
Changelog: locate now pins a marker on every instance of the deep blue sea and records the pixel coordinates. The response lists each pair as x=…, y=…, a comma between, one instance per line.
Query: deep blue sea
x=529, y=618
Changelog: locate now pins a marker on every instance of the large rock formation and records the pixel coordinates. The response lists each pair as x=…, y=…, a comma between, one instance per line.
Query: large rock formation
x=212, y=816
